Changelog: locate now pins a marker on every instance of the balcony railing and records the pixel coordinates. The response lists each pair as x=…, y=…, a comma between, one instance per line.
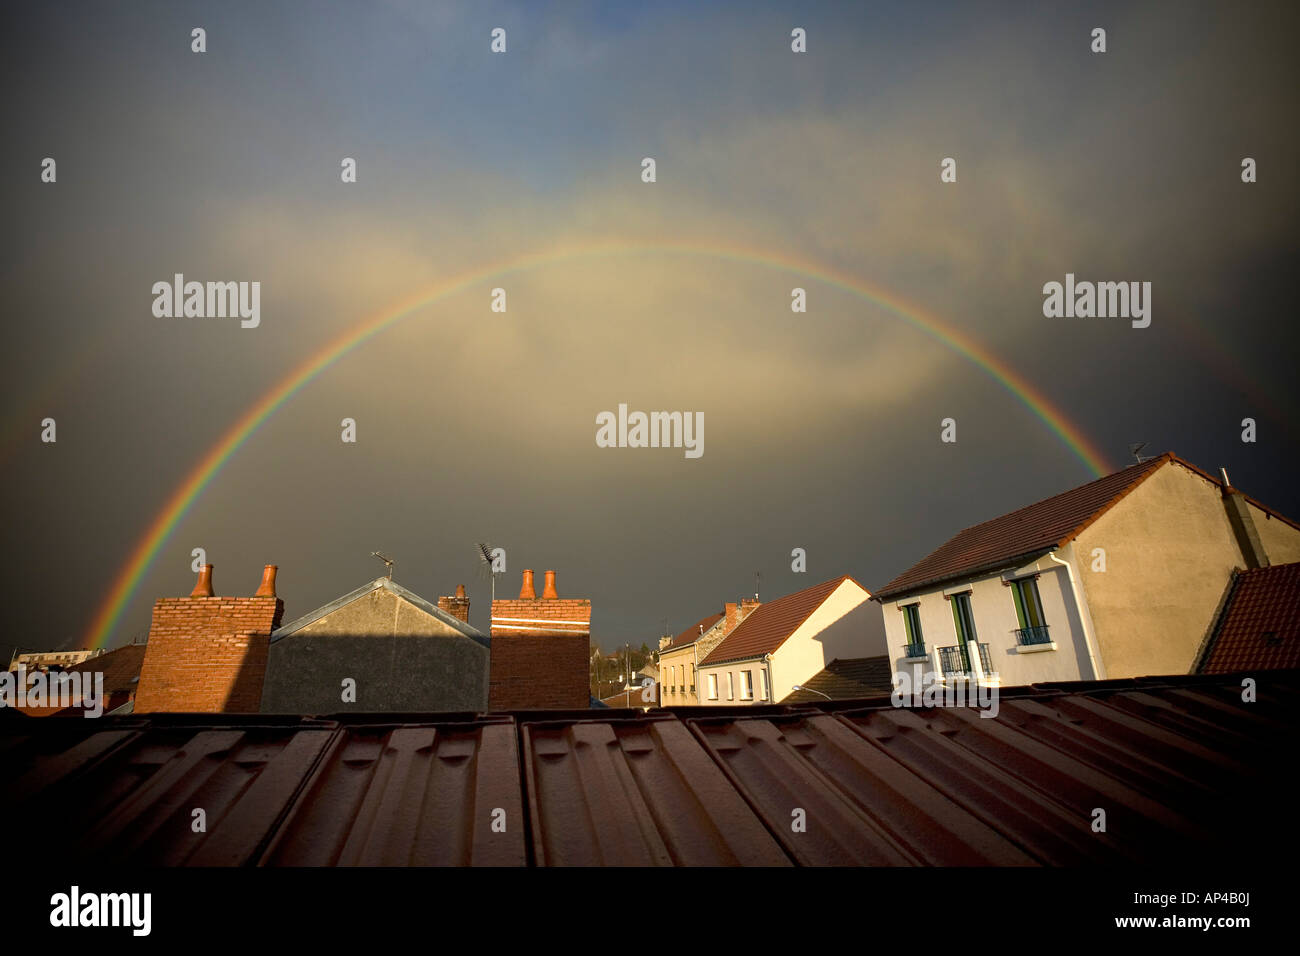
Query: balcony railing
x=956, y=659
x=1033, y=635
x=914, y=650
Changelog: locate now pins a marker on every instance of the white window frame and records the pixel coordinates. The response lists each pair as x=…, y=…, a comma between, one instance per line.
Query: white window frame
x=762, y=678
x=731, y=685
x=746, y=685
x=713, y=686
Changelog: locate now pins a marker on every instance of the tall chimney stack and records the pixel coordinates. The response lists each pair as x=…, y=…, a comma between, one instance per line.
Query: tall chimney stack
x=548, y=591
x=528, y=592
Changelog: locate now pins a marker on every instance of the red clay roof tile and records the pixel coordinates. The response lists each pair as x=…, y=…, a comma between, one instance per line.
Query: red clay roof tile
x=1259, y=627
x=692, y=634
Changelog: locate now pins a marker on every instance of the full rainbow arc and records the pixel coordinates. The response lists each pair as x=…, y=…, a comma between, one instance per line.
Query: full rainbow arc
x=182, y=499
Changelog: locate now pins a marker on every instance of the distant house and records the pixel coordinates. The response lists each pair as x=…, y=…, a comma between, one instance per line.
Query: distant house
x=679, y=659
x=399, y=651
x=787, y=641
x=35, y=660
x=1120, y=577
x=120, y=669
x=1258, y=627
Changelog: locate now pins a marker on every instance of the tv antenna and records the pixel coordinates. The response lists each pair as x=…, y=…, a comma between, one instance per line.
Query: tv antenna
x=485, y=555
x=1135, y=449
x=387, y=561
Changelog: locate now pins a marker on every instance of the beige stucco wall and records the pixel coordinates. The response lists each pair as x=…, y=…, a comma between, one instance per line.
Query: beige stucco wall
x=1281, y=541
x=994, y=610
x=681, y=659
x=1169, y=553
x=380, y=612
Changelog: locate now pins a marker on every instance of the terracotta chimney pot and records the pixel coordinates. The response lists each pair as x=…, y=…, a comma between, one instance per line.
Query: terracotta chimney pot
x=548, y=591
x=268, y=581
x=460, y=591
x=528, y=592
x=204, y=586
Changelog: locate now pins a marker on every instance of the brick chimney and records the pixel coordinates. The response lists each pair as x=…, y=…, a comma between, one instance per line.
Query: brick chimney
x=208, y=654
x=735, y=613
x=458, y=606
x=540, y=650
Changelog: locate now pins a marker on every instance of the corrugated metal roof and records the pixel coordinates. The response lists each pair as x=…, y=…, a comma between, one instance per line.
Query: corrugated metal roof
x=1183, y=768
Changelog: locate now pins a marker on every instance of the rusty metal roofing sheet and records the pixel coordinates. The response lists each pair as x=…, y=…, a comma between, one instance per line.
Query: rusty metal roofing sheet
x=1183, y=768
x=131, y=793
x=420, y=794
x=638, y=792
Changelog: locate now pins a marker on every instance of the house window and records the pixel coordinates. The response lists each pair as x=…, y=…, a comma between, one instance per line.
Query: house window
x=1029, y=612
x=762, y=677
x=962, y=617
x=731, y=685
x=713, y=687
x=692, y=678
x=912, y=624
x=746, y=685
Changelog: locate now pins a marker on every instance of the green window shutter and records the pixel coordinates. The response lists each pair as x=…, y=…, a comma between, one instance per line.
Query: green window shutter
x=1020, y=602
x=956, y=620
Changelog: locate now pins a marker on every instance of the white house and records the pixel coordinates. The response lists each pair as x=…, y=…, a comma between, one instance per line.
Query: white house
x=1121, y=577
x=786, y=641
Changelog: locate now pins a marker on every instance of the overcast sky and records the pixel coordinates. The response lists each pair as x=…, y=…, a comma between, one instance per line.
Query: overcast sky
x=822, y=429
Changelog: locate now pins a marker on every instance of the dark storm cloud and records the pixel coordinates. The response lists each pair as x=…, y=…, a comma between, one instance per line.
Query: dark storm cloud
x=821, y=429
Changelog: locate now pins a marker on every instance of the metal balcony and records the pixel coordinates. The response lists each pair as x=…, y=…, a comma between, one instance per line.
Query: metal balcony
x=1033, y=635
x=956, y=659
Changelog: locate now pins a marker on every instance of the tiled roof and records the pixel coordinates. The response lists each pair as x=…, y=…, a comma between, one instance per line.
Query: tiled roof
x=692, y=634
x=845, y=679
x=1027, y=533
x=1259, y=626
x=633, y=698
x=769, y=625
x=1182, y=766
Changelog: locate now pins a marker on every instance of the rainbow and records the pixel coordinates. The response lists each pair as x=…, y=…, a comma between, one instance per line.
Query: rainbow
x=182, y=499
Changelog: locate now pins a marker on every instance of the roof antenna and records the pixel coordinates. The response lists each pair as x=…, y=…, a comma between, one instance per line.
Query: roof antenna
x=1135, y=449
x=387, y=560
x=485, y=555
x=757, y=578
x=1226, y=483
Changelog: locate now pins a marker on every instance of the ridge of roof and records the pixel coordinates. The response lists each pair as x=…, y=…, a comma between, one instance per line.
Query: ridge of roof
x=693, y=633
x=770, y=625
x=1052, y=522
x=392, y=587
